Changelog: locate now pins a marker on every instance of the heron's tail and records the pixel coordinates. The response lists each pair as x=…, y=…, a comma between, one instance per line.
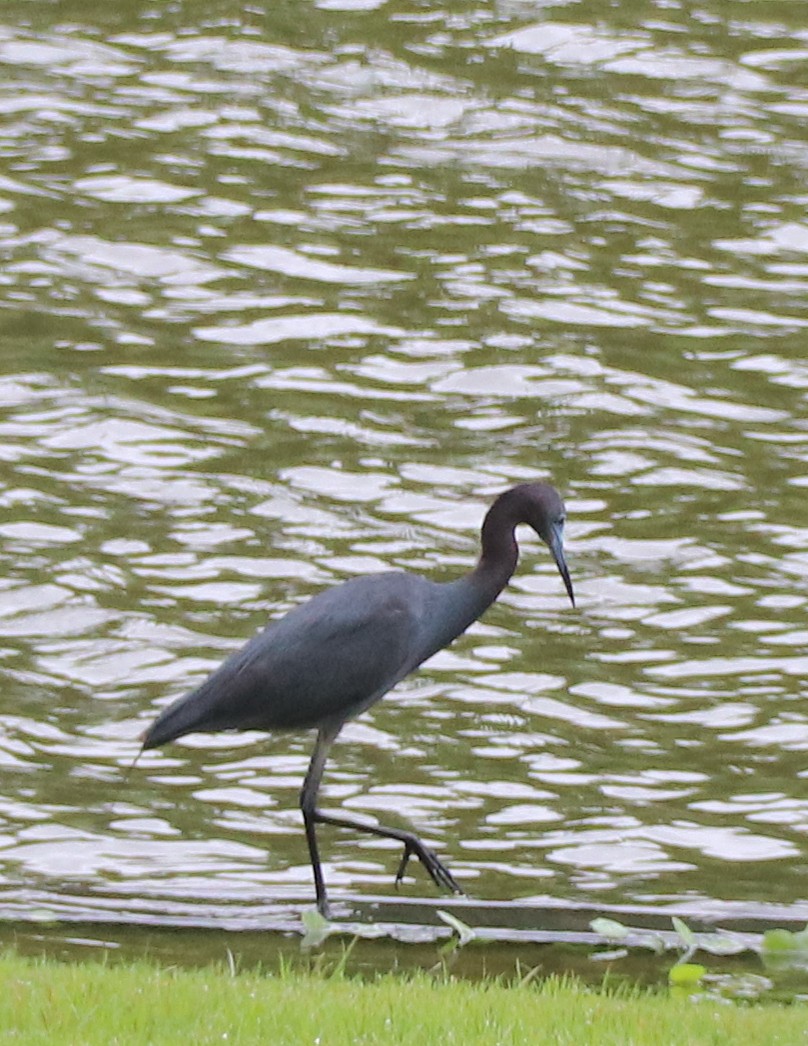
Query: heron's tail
x=181, y=717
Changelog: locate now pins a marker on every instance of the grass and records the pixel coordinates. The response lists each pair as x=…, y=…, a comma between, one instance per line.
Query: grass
x=44, y=1001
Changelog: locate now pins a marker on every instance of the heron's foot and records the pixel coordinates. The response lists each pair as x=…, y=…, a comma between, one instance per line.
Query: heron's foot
x=440, y=874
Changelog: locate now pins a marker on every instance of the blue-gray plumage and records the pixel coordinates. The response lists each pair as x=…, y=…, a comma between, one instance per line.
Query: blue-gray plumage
x=331, y=658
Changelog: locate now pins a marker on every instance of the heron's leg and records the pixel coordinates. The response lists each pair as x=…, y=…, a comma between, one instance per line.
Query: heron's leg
x=440, y=874
x=311, y=815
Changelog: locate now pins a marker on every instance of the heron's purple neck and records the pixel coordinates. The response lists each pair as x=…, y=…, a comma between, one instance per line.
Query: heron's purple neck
x=500, y=552
x=457, y=604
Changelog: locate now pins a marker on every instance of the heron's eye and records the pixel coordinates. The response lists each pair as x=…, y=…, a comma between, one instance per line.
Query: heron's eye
x=561, y=521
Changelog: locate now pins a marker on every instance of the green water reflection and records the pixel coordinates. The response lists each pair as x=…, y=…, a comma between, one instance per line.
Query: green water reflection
x=291, y=296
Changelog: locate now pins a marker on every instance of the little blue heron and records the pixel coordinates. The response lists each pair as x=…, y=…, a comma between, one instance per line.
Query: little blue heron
x=334, y=656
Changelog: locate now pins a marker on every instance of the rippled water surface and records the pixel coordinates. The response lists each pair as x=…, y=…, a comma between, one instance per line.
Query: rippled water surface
x=289, y=296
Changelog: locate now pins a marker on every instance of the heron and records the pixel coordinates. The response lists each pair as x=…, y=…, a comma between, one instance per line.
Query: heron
x=329, y=659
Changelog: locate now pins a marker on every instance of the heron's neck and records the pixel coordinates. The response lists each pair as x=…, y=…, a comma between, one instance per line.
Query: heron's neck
x=456, y=604
x=476, y=591
x=500, y=552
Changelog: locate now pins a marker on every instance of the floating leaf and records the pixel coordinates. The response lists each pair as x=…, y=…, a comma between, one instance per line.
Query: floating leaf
x=316, y=927
x=610, y=928
x=686, y=974
x=720, y=944
x=464, y=933
x=652, y=941
x=684, y=931
x=312, y=920
x=779, y=940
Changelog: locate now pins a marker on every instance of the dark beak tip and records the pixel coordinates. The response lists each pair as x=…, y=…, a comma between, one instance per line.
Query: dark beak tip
x=557, y=550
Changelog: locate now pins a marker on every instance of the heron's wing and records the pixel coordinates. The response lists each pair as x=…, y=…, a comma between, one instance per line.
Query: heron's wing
x=324, y=661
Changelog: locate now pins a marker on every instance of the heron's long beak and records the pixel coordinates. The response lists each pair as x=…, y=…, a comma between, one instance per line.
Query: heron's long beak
x=556, y=544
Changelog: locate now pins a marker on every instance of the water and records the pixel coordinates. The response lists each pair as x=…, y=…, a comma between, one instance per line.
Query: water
x=290, y=296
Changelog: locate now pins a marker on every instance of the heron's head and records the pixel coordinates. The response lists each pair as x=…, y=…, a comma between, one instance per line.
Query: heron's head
x=544, y=511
